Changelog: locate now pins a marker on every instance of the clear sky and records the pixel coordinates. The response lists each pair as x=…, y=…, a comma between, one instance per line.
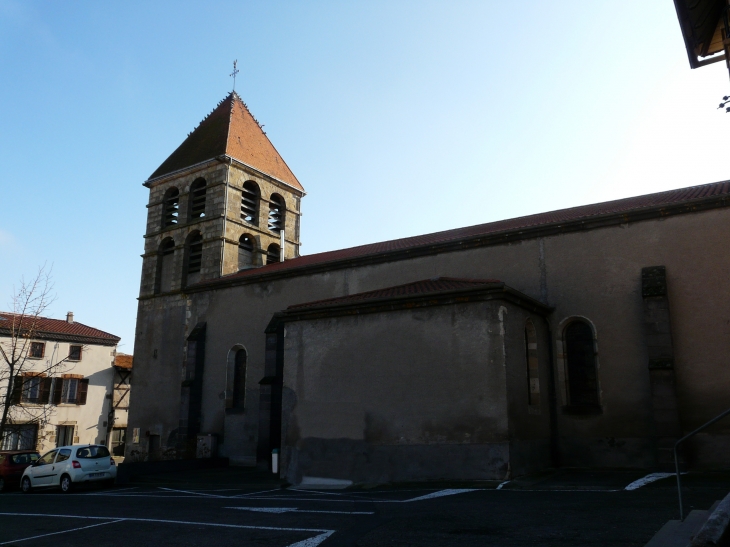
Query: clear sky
x=399, y=118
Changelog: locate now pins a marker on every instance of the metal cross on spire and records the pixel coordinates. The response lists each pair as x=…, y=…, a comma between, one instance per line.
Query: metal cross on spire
x=233, y=74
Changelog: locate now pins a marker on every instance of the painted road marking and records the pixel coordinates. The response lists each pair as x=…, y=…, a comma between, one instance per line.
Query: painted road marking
x=62, y=531
x=442, y=493
x=191, y=492
x=501, y=484
x=651, y=477
x=119, y=490
x=295, y=510
x=311, y=542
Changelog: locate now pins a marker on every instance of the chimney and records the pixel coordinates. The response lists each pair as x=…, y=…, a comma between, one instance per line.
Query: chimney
x=70, y=317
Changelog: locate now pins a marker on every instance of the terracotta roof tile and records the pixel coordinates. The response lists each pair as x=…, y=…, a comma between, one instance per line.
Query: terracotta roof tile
x=229, y=130
x=585, y=212
x=123, y=360
x=57, y=329
x=423, y=287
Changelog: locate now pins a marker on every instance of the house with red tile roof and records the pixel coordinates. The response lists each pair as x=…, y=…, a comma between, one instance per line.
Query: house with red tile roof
x=59, y=394
x=593, y=336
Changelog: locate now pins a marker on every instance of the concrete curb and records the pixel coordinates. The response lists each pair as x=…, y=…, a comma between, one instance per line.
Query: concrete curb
x=714, y=533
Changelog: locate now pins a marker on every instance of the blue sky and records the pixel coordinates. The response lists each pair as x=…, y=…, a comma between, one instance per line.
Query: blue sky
x=399, y=118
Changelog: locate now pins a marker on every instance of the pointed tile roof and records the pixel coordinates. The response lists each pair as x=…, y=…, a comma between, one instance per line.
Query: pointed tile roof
x=229, y=130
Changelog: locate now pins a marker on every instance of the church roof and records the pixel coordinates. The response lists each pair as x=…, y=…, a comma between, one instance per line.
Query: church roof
x=633, y=209
x=229, y=130
x=416, y=288
x=45, y=328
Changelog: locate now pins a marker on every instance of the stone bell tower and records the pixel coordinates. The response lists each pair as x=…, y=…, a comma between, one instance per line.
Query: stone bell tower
x=225, y=200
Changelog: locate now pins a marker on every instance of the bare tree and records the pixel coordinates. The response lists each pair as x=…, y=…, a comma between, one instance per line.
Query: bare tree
x=24, y=376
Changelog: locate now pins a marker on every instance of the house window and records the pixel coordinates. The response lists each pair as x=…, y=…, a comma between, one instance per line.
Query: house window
x=581, y=365
x=276, y=213
x=71, y=391
x=533, y=370
x=118, y=441
x=272, y=254
x=245, y=251
x=197, y=199
x=74, y=353
x=64, y=435
x=37, y=349
x=239, y=379
x=250, y=202
x=170, y=207
x=32, y=389
x=19, y=437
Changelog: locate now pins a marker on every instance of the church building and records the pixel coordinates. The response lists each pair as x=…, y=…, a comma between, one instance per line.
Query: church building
x=594, y=336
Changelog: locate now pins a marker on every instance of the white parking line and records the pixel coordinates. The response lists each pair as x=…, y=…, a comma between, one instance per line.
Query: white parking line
x=62, y=531
x=191, y=492
x=254, y=493
x=651, y=477
x=295, y=510
x=311, y=542
x=442, y=493
x=119, y=490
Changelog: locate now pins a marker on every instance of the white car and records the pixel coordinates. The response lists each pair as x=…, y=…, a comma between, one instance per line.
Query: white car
x=66, y=465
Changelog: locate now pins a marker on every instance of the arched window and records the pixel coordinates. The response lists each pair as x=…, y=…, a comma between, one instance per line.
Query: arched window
x=239, y=379
x=272, y=254
x=250, y=202
x=165, y=265
x=276, y=213
x=236, y=377
x=197, y=199
x=170, y=207
x=194, y=258
x=533, y=370
x=246, y=246
x=580, y=358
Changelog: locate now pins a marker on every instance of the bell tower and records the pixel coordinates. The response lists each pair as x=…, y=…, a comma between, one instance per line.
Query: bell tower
x=224, y=201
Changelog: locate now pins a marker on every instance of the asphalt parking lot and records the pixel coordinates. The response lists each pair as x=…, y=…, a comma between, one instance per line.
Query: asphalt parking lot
x=562, y=508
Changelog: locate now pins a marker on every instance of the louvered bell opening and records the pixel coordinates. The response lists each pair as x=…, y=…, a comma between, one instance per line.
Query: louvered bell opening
x=246, y=244
x=168, y=247
x=249, y=203
x=276, y=214
x=171, y=208
x=195, y=259
x=272, y=254
x=197, y=200
x=245, y=252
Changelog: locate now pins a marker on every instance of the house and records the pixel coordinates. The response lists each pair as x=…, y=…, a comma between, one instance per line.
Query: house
x=120, y=403
x=594, y=336
x=59, y=396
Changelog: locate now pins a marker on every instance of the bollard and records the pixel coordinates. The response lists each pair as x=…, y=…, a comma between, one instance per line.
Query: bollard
x=275, y=460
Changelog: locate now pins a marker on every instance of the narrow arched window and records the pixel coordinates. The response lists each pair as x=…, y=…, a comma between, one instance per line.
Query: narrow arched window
x=246, y=247
x=276, y=213
x=533, y=370
x=170, y=207
x=165, y=265
x=272, y=254
x=581, y=365
x=250, y=202
x=194, y=259
x=239, y=379
x=197, y=199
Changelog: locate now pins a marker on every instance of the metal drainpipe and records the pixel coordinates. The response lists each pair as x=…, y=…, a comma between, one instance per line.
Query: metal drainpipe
x=225, y=217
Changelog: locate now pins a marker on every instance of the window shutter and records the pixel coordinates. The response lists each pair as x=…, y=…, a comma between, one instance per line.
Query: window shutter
x=17, y=390
x=81, y=395
x=57, y=390
x=45, y=390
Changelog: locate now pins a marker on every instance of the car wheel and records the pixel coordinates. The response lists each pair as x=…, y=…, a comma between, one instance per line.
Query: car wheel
x=25, y=485
x=2, y=484
x=66, y=484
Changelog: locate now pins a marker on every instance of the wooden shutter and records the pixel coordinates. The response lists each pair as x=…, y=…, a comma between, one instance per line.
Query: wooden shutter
x=17, y=390
x=45, y=394
x=57, y=390
x=81, y=395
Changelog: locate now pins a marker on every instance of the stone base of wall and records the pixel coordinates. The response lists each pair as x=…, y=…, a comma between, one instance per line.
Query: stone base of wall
x=708, y=451
x=364, y=463
x=529, y=456
x=628, y=452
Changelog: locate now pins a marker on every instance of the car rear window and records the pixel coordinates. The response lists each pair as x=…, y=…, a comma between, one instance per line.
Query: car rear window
x=93, y=452
x=25, y=458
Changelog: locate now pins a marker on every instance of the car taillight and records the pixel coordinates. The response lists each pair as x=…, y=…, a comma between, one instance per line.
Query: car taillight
x=111, y=461
x=76, y=464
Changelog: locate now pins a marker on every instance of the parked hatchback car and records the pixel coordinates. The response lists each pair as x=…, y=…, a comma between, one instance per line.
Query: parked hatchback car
x=68, y=465
x=12, y=465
